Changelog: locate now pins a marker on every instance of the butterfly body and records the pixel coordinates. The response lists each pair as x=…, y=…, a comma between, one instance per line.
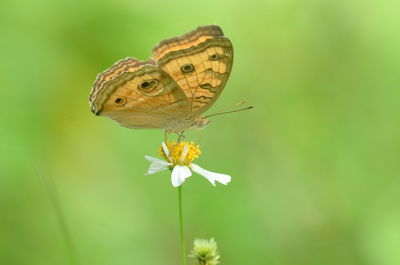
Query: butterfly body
x=178, y=126
x=170, y=91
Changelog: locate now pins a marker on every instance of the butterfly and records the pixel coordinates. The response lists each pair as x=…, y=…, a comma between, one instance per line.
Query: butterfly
x=172, y=89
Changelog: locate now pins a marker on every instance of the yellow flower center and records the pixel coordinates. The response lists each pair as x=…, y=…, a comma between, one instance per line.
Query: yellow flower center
x=182, y=153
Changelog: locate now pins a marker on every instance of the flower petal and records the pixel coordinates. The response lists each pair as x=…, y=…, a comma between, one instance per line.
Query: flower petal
x=157, y=167
x=211, y=176
x=184, y=153
x=179, y=174
x=166, y=151
x=153, y=159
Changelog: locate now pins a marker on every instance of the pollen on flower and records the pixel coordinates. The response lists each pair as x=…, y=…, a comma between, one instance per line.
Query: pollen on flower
x=179, y=154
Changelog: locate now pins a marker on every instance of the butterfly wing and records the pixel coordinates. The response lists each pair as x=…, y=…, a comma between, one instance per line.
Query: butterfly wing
x=200, y=62
x=138, y=94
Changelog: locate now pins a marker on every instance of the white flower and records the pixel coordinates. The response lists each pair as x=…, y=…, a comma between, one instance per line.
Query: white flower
x=179, y=157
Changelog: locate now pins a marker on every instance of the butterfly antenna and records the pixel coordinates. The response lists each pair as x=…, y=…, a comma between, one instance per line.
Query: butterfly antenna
x=226, y=112
x=227, y=108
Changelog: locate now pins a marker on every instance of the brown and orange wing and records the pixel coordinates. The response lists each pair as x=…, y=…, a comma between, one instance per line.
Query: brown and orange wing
x=138, y=94
x=200, y=62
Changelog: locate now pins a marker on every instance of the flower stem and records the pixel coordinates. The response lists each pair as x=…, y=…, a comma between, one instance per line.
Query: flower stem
x=183, y=247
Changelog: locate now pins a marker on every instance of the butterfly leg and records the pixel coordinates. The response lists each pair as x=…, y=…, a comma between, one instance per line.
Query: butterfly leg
x=181, y=136
x=165, y=136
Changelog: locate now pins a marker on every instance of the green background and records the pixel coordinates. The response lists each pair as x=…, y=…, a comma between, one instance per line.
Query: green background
x=315, y=165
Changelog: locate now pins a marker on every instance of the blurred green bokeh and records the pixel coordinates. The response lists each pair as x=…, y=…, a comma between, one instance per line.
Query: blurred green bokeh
x=315, y=165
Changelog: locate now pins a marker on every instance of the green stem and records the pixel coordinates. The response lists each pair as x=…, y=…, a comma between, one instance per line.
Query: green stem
x=183, y=247
x=51, y=189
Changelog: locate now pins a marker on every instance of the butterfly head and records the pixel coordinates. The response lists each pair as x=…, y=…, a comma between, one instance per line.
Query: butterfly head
x=199, y=123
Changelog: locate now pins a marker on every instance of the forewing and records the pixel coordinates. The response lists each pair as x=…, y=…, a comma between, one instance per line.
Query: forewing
x=200, y=62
